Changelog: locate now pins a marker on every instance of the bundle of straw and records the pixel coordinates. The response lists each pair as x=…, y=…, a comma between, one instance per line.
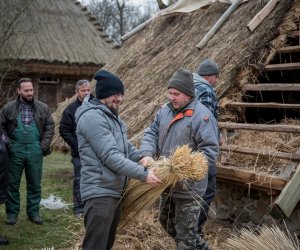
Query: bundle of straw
x=264, y=239
x=182, y=165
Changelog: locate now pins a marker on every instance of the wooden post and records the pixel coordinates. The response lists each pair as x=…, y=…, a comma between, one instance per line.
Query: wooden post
x=136, y=29
x=260, y=16
x=223, y=135
x=290, y=195
x=218, y=24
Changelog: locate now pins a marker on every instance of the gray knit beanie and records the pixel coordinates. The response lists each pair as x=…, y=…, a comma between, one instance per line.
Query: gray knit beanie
x=182, y=80
x=208, y=68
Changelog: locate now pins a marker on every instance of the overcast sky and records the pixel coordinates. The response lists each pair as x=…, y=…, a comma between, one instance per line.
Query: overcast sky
x=136, y=2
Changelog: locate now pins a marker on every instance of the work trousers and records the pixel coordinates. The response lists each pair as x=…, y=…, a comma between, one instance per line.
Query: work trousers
x=179, y=218
x=78, y=204
x=28, y=157
x=101, y=219
x=207, y=197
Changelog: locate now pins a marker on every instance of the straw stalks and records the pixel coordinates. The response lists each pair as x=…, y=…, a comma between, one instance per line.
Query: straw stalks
x=265, y=239
x=183, y=165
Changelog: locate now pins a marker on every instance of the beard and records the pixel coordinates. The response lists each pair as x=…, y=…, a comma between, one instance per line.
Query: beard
x=27, y=99
x=114, y=111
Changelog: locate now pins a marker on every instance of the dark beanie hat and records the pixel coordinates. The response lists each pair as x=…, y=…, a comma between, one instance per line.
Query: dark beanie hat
x=107, y=84
x=208, y=68
x=182, y=80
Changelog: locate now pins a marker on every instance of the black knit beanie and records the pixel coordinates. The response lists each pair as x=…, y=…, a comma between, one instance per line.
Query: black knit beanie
x=182, y=80
x=107, y=84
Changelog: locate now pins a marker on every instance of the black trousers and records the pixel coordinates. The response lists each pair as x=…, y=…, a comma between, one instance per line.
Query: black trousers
x=101, y=219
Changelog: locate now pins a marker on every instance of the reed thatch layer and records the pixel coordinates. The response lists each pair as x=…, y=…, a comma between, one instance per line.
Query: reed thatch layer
x=52, y=31
x=182, y=165
x=263, y=239
x=57, y=142
x=151, y=56
x=266, y=141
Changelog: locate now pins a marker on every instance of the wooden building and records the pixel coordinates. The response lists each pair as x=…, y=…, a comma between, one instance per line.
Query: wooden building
x=54, y=42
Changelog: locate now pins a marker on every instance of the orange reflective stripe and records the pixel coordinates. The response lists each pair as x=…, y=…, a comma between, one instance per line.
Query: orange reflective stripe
x=188, y=112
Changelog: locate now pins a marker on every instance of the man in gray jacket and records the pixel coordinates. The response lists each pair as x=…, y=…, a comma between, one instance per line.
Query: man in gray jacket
x=107, y=159
x=184, y=120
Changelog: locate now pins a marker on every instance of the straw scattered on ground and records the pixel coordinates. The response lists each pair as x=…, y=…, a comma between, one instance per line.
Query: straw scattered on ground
x=264, y=239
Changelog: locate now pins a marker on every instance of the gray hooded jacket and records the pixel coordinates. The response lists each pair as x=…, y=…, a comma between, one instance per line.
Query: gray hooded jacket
x=106, y=155
x=199, y=131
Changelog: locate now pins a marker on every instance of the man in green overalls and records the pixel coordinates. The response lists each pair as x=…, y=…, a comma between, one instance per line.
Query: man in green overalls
x=29, y=126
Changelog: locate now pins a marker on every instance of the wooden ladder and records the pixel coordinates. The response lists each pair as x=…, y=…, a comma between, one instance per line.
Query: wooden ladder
x=273, y=185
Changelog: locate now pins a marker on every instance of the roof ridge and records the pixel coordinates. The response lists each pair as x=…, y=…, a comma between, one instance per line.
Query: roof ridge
x=92, y=19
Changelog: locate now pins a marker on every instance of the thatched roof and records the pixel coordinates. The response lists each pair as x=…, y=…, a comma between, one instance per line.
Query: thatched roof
x=53, y=31
x=152, y=55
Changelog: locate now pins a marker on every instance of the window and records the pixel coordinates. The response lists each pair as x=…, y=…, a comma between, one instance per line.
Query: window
x=49, y=80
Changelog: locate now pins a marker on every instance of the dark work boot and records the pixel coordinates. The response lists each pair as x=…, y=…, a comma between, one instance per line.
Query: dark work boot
x=3, y=241
x=36, y=219
x=11, y=220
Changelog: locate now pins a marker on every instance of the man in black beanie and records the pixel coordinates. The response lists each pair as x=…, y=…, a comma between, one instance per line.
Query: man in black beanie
x=107, y=159
x=182, y=121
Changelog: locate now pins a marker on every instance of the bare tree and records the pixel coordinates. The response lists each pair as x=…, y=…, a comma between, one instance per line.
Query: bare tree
x=12, y=17
x=118, y=16
x=162, y=5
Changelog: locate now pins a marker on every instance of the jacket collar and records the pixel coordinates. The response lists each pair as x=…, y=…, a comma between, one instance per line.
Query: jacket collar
x=189, y=105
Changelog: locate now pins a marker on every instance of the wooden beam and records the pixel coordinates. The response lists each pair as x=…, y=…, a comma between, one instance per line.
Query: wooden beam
x=251, y=151
x=235, y=4
x=60, y=69
x=259, y=180
x=272, y=87
x=269, y=191
x=262, y=105
x=290, y=195
x=137, y=28
x=289, y=49
x=294, y=33
x=260, y=16
x=261, y=127
x=282, y=66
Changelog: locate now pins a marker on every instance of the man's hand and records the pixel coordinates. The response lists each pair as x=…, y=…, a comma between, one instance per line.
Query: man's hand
x=145, y=160
x=152, y=180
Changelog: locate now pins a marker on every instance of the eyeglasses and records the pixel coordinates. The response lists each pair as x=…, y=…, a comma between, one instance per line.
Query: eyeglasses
x=119, y=95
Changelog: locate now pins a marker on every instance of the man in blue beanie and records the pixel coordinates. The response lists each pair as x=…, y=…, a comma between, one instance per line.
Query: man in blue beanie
x=107, y=159
x=205, y=80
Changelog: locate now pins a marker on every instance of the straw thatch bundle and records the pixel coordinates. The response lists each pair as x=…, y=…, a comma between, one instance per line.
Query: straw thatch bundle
x=181, y=166
x=265, y=239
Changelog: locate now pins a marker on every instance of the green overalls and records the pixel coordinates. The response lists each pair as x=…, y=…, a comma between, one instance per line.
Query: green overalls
x=25, y=153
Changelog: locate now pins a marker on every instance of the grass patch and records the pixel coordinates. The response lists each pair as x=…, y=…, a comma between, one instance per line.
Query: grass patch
x=60, y=228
